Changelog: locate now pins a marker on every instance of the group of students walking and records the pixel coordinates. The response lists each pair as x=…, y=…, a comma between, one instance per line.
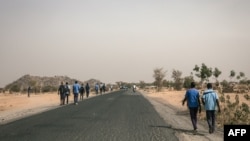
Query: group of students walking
x=209, y=100
x=64, y=91
x=100, y=87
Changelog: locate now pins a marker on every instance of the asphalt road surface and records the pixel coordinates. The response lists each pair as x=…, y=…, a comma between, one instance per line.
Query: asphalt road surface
x=118, y=116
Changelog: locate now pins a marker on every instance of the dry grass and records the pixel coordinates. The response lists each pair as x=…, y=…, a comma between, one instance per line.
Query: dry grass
x=175, y=98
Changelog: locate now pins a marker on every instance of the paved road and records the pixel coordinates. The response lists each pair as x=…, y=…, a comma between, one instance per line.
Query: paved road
x=118, y=116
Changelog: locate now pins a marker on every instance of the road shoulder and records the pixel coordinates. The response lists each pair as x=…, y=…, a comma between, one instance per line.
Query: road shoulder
x=179, y=120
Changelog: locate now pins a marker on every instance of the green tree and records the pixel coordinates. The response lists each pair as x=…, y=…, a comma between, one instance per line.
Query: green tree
x=238, y=77
x=142, y=84
x=216, y=73
x=242, y=74
x=187, y=81
x=203, y=72
x=178, y=81
x=49, y=89
x=15, y=88
x=232, y=74
x=159, y=75
x=197, y=70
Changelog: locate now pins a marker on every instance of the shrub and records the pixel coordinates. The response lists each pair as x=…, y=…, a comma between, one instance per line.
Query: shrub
x=49, y=89
x=233, y=112
x=15, y=88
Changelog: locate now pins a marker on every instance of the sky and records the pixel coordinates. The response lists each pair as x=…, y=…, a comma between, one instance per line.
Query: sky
x=122, y=40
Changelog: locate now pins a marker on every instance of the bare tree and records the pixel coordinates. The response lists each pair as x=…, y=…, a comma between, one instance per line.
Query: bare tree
x=159, y=75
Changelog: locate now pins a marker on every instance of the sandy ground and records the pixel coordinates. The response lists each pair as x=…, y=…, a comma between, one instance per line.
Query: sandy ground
x=168, y=105
x=16, y=106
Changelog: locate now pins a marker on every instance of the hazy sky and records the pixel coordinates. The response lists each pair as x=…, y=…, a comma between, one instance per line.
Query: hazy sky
x=122, y=40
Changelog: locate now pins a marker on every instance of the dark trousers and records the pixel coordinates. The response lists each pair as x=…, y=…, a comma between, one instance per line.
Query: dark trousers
x=67, y=98
x=193, y=115
x=81, y=96
x=62, y=97
x=75, y=98
x=210, y=114
x=87, y=94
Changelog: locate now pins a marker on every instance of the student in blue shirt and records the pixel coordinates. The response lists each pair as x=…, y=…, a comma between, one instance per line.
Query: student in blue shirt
x=76, y=89
x=210, y=100
x=193, y=102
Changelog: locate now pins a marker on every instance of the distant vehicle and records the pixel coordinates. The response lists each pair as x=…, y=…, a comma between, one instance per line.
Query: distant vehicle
x=123, y=88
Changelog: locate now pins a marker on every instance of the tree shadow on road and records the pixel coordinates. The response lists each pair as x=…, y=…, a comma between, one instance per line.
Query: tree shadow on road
x=199, y=133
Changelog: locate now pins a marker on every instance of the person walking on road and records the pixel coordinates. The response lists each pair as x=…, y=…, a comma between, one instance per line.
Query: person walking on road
x=87, y=89
x=210, y=100
x=82, y=91
x=61, y=92
x=134, y=88
x=76, y=88
x=193, y=102
x=67, y=92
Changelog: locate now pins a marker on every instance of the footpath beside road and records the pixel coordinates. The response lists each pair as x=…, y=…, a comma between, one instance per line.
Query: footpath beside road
x=181, y=123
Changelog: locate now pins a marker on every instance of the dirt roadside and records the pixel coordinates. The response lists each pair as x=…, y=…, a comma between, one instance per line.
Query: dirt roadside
x=179, y=120
x=13, y=107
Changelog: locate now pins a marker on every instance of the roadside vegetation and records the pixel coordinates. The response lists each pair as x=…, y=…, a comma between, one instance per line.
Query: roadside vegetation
x=233, y=94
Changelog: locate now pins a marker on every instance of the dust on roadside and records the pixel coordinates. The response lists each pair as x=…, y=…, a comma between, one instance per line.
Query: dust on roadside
x=179, y=120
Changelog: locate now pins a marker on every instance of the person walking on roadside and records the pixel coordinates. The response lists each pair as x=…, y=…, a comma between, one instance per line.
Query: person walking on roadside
x=61, y=92
x=104, y=88
x=210, y=100
x=76, y=88
x=96, y=88
x=67, y=92
x=82, y=91
x=29, y=90
x=193, y=102
x=87, y=89
x=111, y=88
x=101, y=88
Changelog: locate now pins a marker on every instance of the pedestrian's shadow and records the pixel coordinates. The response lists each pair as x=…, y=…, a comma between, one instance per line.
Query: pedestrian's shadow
x=182, y=112
x=179, y=130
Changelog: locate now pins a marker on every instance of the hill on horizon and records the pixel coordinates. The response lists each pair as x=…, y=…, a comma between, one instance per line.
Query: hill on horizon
x=43, y=84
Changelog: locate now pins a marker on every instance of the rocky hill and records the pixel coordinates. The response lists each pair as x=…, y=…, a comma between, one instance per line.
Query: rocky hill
x=43, y=84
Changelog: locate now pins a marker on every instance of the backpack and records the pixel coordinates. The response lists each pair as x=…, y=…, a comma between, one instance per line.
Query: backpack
x=66, y=89
x=82, y=89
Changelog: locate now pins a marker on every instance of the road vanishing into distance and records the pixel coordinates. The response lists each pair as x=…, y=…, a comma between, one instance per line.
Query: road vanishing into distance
x=118, y=116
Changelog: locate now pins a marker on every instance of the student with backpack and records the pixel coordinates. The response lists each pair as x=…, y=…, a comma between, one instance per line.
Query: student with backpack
x=87, y=89
x=82, y=91
x=61, y=92
x=67, y=92
x=76, y=88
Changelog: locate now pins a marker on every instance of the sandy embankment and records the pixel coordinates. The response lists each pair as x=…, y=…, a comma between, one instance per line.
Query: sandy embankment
x=14, y=106
x=167, y=104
